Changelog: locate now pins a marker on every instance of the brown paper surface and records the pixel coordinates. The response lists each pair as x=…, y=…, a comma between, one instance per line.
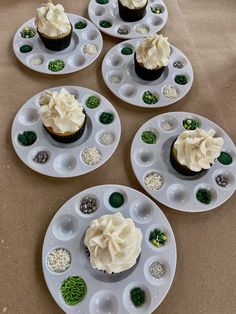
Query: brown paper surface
x=206, y=274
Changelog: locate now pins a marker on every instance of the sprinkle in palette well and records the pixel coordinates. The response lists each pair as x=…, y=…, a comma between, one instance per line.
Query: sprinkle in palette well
x=167, y=126
x=91, y=155
x=157, y=237
x=90, y=49
x=157, y=270
x=59, y=260
x=73, y=290
x=88, y=205
x=153, y=181
x=106, y=138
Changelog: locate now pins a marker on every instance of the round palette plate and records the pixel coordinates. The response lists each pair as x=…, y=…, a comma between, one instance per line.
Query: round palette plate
x=65, y=159
x=110, y=293
x=120, y=77
x=179, y=191
x=74, y=57
x=151, y=22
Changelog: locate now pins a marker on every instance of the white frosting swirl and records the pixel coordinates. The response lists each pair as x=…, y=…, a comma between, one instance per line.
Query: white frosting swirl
x=52, y=21
x=114, y=243
x=61, y=111
x=153, y=52
x=197, y=149
x=133, y=4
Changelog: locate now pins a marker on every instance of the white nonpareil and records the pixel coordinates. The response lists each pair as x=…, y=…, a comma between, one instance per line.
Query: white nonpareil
x=198, y=149
x=114, y=243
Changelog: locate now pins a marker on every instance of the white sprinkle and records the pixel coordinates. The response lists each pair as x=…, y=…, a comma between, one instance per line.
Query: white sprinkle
x=106, y=138
x=90, y=49
x=170, y=92
x=153, y=181
x=157, y=270
x=115, y=79
x=91, y=155
x=59, y=260
x=141, y=30
x=36, y=61
x=167, y=126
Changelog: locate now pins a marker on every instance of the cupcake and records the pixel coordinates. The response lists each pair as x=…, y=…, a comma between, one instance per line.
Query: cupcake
x=132, y=10
x=195, y=151
x=114, y=243
x=53, y=26
x=151, y=57
x=62, y=116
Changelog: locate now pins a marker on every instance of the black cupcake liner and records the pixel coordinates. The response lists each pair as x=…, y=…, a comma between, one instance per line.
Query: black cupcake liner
x=56, y=44
x=68, y=138
x=147, y=74
x=180, y=168
x=131, y=15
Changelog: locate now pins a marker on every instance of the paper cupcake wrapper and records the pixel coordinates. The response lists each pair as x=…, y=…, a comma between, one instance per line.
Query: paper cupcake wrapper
x=131, y=15
x=147, y=74
x=180, y=168
x=56, y=44
x=67, y=139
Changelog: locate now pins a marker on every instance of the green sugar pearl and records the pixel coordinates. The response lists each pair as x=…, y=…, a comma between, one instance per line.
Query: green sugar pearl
x=181, y=79
x=102, y=1
x=157, y=10
x=127, y=51
x=190, y=124
x=56, y=65
x=203, y=196
x=92, y=102
x=25, y=48
x=73, y=290
x=116, y=200
x=80, y=25
x=149, y=137
x=105, y=24
x=225, y=158
x=157, y=237
x=28, y=32
x=137, y=296
x=27, y=138
x=149, y=98
x=106, y=118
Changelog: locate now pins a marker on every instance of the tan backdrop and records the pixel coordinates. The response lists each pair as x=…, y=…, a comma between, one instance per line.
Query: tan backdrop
x=206, y=275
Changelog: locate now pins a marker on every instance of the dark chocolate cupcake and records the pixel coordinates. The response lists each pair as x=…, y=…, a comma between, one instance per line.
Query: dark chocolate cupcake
x=194, y=152
x=62, y=116
x=151, y=57
x=53, y=26
x=131, y=10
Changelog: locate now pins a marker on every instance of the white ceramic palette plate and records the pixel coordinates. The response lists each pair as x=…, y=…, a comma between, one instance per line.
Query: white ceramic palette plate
x=120, y=77
x=75, y=57
x=65, y=160
x=110, y=293
x=150, y=23
x=179, y=191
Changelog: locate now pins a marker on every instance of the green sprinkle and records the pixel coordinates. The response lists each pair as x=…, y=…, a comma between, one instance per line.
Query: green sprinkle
x=137, y=296
x=106, y=118
x=73, y=290
x=105, y=24
x=203, y=196
x=56, y=65
x=28, y=32
x=92, y=102
x=102, y=1
x=225, y=158
x=80, y=25
x=27, y=138
x=149, y=98
x=181, y=79
x=116, y=199
x=157, y=237
x=157, y=10
x=190, y=124
x=149, y=137
x=25, y=48
x=127, y=51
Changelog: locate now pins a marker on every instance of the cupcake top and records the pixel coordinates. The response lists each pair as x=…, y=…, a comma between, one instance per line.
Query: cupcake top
x=134, y=4
x=61, y=111
x=197, y=149
x=114, y=243
x=153, y=52
x=51, y=20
